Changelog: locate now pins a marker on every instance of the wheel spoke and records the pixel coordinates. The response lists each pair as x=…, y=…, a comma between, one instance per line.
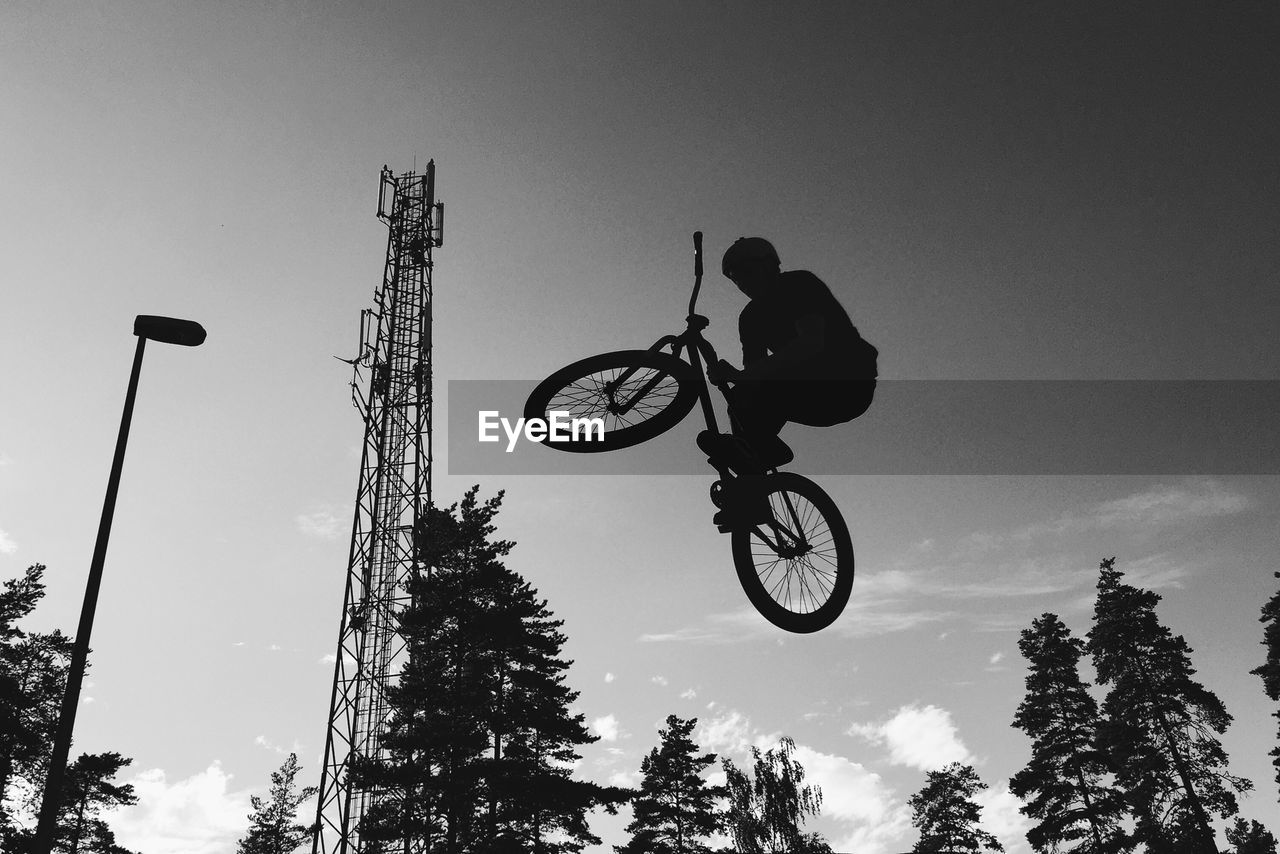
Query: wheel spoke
x=794, y=561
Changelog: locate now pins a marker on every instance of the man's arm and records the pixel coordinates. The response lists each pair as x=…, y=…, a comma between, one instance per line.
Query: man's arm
x=808, y=343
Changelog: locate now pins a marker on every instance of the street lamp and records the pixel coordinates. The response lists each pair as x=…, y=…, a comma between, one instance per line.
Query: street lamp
x=168, y=330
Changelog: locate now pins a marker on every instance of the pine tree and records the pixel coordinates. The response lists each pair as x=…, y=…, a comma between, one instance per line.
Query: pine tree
x=1250, y=838
x=765, y=813
x=481, y=739
x=947, y=815
x=1161, y=725
x=88, y=789
x=273, y=824
x=676, y=808
x=1269, y=671
x=1063, y=784
x=32, y=679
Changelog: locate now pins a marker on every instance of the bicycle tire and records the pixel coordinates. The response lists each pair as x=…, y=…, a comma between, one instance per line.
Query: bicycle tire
x=578, y=389
x=808, y=592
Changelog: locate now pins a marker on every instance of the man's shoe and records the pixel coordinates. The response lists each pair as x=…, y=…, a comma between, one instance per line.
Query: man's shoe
x=748, y=515
x=725, y=449
x=745, y=505
x=742, y=456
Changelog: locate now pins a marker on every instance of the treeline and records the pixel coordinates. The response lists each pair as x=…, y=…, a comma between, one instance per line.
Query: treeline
x=33, y=676
x=481, y=744
x=1146, y=769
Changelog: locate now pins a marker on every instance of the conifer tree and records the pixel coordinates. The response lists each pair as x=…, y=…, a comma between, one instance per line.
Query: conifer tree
x=88, y=790
x=1063, y=784
x=947, y=815
x=1161, y=726
x=1250, y=838
x=675, y=809
x=1269, y=671
x=273, y=824
x=766, y=813
x=481, y=739
x=32, y=678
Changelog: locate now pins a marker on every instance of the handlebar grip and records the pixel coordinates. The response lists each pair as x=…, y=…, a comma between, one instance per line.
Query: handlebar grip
x=697, y=253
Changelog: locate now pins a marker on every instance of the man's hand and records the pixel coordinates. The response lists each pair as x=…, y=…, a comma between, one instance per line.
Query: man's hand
x=722, y=372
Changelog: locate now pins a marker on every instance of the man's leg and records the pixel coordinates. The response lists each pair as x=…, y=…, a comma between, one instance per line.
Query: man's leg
x=757, y=412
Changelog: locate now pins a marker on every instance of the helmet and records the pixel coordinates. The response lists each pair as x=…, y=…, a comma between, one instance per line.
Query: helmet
x=746, y=250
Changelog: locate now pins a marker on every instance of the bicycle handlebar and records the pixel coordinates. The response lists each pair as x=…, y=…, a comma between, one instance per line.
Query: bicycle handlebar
x=697, y=269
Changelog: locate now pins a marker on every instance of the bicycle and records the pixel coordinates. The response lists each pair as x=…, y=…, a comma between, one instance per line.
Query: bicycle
x=797, y=567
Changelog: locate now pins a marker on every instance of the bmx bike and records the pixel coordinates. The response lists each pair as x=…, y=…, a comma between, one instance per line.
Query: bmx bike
x=796, y=567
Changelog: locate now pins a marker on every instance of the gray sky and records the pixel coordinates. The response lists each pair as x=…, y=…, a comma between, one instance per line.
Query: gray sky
x=995, y=191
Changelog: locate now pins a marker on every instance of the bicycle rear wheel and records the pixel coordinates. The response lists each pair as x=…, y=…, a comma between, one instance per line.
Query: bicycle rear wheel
x=638, y=394
x=797, y=569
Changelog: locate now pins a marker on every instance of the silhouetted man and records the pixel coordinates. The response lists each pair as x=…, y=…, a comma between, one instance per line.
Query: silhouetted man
x=803, y=360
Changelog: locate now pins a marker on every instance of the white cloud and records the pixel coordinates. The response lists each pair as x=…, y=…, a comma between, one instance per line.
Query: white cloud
x=606, y=727
x=7, y=545
x=1001, y=816
x=197, y=815
x=626, y=779
x=689, y=694
x=323, y=523
x=659, y=680
x=264, y=742
x=996, y=658
x=1167, y=505
x=922, y=738
x=609, y=677
x=328, y=658
x=727, y=733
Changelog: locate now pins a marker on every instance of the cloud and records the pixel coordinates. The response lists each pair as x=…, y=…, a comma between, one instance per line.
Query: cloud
x=1160, y=506
x=660, y=680
x=876, y=609
x=197, y=815
x=7, y=545
x=872, y=819
x=323, y=524
x=606, y=727
x=264, y=742
x=921, y=738
x=730, y=732
x=328, y=658
x=1169, y=505
x=609, y=677
x=626, y=779
x=689, y=694
x=1001, y=815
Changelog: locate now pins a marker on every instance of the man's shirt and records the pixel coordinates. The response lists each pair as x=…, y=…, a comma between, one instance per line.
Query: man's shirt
x=769, y=323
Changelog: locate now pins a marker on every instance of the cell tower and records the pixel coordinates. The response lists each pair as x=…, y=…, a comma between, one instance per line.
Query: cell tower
x=391, y=388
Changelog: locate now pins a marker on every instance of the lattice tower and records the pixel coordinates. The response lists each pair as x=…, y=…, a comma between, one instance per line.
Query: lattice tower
x=391, y=388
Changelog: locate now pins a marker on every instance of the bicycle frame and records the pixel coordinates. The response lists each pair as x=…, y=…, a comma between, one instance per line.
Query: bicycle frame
x=699, y=352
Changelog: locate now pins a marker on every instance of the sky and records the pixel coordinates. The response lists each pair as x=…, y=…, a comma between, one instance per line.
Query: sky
x=995, y=191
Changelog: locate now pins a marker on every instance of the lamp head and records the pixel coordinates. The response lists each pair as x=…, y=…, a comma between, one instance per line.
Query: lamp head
x=169, y=330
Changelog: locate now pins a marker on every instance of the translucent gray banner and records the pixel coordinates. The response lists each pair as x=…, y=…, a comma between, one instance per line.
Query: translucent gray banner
x=936, y=427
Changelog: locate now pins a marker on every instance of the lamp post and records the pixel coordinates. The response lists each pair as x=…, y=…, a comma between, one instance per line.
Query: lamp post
x=169, y=330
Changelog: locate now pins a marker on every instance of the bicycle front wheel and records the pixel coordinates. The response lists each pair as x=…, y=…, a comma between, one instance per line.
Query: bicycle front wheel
x=797, y=569
x=637, y=394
